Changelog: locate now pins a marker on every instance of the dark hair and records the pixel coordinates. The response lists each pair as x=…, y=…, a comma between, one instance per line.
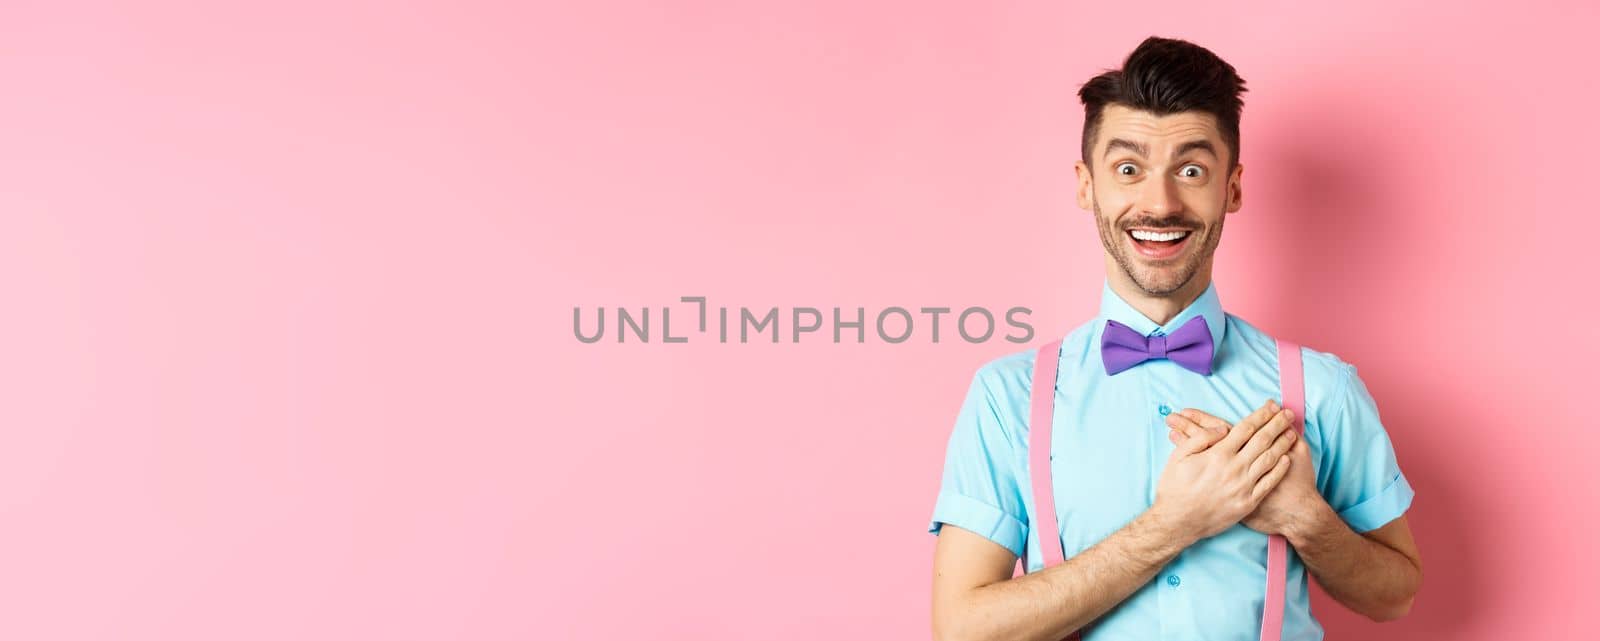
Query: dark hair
x=1166, y=76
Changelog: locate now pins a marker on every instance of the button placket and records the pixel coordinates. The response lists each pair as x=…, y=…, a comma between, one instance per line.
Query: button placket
x=1176, y=601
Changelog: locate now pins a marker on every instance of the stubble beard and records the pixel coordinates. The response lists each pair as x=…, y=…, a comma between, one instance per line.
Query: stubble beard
x=1162, y=281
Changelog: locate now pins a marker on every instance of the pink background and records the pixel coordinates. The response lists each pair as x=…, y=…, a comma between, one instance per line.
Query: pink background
x=289, y=296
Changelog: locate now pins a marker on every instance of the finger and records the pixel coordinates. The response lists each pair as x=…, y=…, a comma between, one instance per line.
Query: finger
x=1271, y=479
x=1187, y=427
x=1205, y=420
x=1194, y=430
x=1265, y=436
x=1247, y=427
x=1280, y=447
x=1194, y=437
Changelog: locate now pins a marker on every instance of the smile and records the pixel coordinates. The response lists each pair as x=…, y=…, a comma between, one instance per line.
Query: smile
x=1159, y=244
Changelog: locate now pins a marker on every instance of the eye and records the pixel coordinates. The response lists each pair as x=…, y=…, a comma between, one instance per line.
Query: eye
x=1197, y=171
x=1128, y=166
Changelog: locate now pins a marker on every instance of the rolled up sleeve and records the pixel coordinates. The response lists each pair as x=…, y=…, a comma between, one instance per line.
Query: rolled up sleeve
x=1362, y=480
x=979, y=490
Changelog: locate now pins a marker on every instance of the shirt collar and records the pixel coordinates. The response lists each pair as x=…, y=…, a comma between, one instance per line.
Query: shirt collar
x=1113, y=307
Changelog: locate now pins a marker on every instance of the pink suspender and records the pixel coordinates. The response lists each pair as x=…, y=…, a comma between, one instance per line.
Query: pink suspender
x=1042, y=411
x=1292, y=386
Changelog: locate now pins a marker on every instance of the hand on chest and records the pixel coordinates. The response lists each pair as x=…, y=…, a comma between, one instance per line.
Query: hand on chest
x=1111, y=444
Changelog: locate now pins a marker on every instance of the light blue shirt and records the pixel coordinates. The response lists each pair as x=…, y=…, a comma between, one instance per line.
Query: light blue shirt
x=1110, y=446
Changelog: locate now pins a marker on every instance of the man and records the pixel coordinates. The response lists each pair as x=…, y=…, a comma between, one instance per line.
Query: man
x=1168, y=476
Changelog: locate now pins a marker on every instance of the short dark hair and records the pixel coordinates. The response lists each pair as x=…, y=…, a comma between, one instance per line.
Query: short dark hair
x=1166, y=76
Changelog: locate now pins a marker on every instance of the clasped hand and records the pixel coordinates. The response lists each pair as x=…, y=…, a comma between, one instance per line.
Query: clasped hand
x=1257, y=472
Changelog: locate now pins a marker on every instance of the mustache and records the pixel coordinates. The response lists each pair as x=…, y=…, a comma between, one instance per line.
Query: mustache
x=1163, y=223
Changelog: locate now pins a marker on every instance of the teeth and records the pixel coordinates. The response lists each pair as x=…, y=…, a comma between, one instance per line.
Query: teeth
x=1151, y=235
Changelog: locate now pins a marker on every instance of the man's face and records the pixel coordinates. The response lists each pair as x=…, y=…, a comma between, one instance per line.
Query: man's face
x=1157, y=178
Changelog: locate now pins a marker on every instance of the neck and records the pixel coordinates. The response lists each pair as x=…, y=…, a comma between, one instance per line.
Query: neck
x=1161, y=308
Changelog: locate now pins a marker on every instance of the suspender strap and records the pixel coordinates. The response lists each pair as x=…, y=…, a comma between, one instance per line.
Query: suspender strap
x=1043, y=412
x=1292, y=383
x=1040, y=422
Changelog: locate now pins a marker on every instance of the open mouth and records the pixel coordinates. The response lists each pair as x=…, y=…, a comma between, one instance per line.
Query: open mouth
x=1159, y=243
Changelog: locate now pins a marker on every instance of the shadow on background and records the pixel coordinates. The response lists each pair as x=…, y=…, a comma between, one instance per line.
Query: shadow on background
x=1345, y=229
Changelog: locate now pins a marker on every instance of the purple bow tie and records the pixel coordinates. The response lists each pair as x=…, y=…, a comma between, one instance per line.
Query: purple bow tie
x=1189, y=346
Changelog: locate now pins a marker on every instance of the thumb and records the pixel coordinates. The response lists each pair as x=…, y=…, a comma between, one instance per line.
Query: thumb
x=1300, y=449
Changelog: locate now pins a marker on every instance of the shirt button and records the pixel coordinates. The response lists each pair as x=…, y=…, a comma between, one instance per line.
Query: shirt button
x=1165, y=410
x=1172, y=580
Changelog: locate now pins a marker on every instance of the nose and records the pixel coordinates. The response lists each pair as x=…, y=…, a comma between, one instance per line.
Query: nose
x=1159, y=198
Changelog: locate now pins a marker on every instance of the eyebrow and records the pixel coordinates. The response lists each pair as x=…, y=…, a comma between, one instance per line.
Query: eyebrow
x=1118, y=143
x=1203, y=145
x=1144, y=150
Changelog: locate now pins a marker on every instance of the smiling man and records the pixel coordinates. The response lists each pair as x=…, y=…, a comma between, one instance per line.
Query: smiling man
x=1169, y=474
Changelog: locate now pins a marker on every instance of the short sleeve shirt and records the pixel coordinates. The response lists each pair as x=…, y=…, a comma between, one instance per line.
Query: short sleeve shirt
x=1110, y=446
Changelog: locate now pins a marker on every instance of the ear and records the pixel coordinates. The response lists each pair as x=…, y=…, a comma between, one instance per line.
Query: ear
x=1235, y=192
x=1085, y=186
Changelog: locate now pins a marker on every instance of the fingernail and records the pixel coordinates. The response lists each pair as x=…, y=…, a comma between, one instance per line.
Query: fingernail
x=1288, y=414
x=1272, y=405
